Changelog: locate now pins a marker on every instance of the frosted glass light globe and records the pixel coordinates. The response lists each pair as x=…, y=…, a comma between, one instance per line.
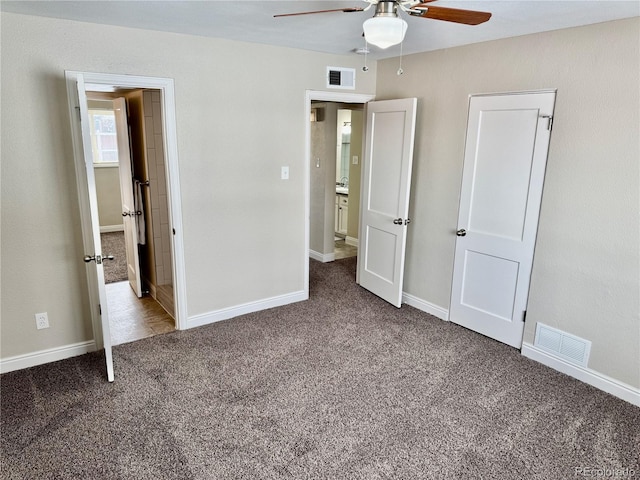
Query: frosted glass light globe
x=384, y=32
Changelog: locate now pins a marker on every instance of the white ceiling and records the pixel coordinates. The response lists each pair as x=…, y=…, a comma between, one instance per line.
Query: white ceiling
x=339, y=33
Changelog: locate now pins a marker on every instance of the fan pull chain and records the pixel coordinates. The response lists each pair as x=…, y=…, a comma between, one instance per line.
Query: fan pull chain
x=366, y=52
x=400, y=70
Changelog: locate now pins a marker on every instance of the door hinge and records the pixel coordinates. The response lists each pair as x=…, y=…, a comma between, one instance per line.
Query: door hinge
x=524, y=316
x=79, y=116
x=100, y=309
x=549, y=121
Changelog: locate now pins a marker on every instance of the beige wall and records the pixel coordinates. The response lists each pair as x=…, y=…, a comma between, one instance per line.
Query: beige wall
x=240, y=117
x=586, y=268
x=323, y=179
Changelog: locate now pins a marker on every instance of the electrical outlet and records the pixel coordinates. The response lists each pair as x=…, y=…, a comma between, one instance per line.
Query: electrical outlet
x=42, y=320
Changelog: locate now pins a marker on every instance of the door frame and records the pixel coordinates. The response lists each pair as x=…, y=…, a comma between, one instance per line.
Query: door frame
x=325, y=96
x=109, y=82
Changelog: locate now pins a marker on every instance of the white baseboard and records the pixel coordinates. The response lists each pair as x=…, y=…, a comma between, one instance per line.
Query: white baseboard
x=322, y=257
x=227, y=313
x=351, y=241
x=111, y=228
x=19, y=362
x=435, y=310
x=586, y=375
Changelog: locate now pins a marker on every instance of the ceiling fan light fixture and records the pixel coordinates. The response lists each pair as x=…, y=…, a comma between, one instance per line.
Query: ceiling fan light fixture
x=384, y=32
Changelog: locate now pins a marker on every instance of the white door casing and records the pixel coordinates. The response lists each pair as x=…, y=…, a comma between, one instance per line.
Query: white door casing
x=129, y=211
x=504, y=165
x=96, y=254
x=388, y=158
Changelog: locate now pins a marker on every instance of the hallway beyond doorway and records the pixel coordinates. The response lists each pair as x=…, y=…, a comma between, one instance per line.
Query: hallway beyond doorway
x=344, y=250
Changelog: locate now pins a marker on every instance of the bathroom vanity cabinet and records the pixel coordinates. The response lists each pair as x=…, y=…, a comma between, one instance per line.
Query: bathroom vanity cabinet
x=341, y=213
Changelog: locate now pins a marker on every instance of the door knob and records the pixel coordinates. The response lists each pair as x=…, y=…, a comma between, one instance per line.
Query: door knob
x=407, y=221
x=461, y=233
x=97, y=258
x=398, y=221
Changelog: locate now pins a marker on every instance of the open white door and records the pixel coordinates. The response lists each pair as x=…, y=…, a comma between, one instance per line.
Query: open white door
x=504, y=165
x=388, y=159
x=94, y=258
x=129, y=212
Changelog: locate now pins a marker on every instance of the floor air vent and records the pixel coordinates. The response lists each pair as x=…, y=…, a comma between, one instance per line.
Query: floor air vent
x=564, y=345
x=338, y=77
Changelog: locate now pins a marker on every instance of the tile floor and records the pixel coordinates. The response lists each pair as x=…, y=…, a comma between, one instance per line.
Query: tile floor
x=132, y=318
x=342, y=250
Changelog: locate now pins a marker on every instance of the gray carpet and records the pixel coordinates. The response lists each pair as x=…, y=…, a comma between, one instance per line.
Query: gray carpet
x=343, y=386
x=113, y=244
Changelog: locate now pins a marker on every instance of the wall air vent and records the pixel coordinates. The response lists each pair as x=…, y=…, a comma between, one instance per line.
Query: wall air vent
x=339, y=77
x=561, y=344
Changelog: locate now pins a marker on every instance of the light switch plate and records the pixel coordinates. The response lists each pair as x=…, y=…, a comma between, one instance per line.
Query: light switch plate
x=284, y=173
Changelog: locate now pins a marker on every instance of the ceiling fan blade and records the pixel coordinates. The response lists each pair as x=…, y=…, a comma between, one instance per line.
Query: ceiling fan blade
x=344, y=10
x=467, y=17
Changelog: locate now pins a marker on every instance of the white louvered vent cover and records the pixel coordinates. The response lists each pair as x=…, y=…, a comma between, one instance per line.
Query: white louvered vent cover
x=339, y=77
x=564, y=345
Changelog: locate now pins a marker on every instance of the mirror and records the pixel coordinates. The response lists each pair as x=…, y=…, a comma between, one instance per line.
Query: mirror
x=343, y=148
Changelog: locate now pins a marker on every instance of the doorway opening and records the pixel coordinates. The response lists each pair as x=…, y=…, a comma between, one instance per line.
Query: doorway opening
x=325, y=239
x=336, y=134
x=128, y=160
x=78, y=84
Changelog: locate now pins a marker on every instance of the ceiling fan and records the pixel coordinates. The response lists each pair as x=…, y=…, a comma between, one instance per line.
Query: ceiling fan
x=386, y=28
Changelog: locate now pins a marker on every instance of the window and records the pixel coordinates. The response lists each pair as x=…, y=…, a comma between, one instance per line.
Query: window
x=104, y=141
